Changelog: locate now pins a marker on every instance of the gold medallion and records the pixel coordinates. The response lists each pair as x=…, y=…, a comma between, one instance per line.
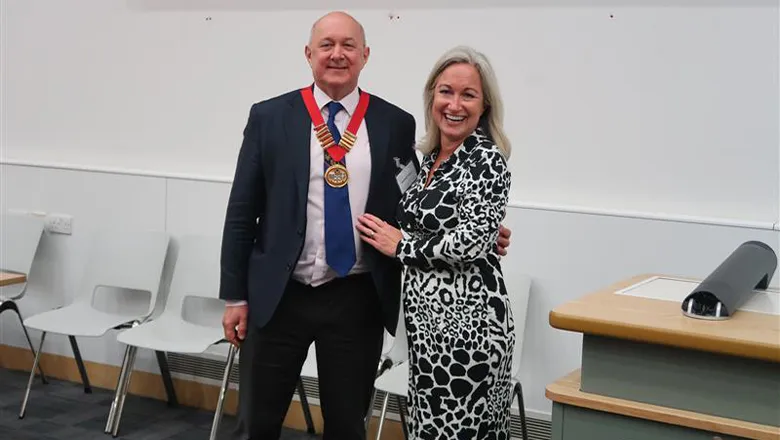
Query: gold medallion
x=336, y=175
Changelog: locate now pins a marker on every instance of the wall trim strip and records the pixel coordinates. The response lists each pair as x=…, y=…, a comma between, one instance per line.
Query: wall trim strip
x=529, y=205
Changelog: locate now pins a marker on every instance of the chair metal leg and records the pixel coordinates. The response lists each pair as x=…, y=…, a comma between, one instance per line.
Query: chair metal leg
x=118, y=391
x=383, y=366
x=123, y=392
x=222, y=391
x=32, y=376
x=402, y=414
x=305, y=406
x=32, y=350
x=370, y=413
x=12, y=306
x=165, y=371
x=382, y=416
x=80, y=363
x=521, y=405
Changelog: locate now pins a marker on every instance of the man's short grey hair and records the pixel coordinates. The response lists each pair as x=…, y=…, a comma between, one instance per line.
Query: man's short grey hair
x=493, y=118
x=360, y=25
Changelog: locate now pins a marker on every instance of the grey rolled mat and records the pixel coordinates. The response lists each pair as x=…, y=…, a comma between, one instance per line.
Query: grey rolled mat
x=750, y=267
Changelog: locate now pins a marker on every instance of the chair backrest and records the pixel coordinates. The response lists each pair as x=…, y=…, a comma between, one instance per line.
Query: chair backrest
x=126, y=259
x=19, y=238
x=196, y=274
x=399, y=351
x=519, y=289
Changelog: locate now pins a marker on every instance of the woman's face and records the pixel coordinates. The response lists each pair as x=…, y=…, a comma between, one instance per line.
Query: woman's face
x=458, y=102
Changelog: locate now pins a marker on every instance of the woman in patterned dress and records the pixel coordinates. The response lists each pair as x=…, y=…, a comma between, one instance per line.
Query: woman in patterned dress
x=457, y=313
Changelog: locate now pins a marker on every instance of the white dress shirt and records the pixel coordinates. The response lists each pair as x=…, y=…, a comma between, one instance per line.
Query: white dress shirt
x=312, y=268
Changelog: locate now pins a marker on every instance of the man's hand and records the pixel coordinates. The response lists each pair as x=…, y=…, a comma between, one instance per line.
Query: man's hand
x=234, y=323
x=503, y=240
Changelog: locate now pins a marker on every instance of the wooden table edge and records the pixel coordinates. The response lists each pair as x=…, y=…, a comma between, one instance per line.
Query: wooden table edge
x=656, y=335
x=668, y=338
x=9, y=278
x=566, y=390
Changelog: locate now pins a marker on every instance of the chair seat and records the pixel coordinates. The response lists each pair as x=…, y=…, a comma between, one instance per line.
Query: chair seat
x=78, y=320
x=394, y=380
x=166, y=334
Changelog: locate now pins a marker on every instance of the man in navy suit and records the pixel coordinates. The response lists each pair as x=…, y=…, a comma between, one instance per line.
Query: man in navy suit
x=294, y=270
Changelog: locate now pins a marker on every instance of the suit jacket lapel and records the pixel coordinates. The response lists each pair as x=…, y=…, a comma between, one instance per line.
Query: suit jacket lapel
x=298, y=141
x=379, y=140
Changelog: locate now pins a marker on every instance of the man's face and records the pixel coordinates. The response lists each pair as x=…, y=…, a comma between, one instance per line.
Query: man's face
x=337, y=53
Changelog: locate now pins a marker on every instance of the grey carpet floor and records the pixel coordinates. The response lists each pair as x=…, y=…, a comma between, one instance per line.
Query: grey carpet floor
x=61, y=410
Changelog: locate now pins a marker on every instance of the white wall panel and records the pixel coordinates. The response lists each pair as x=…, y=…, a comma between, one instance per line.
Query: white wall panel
x=630, y=105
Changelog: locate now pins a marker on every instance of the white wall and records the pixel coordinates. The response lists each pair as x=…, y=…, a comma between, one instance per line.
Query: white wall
x=610, y=104
x=567, y=253
x=646, y=138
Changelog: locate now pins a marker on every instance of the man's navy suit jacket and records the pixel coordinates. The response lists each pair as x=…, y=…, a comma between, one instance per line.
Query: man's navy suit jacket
x=265, y=223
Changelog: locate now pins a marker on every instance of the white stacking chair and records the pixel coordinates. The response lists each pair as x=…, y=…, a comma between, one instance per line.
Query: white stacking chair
x=309, y=369
x=20, y=236
x=394, y=377
x=519, y=289
x=128, y=260
x=196, y=275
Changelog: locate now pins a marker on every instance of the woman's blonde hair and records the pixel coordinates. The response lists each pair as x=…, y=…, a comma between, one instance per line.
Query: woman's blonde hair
x=492, y=120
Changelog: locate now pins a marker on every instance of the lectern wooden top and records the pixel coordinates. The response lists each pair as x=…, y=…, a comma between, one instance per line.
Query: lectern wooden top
x=566, y=390
x=6, y=279
x=607, y=313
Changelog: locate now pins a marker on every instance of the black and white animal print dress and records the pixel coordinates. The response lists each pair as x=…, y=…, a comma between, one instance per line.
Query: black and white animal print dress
x=458, y=319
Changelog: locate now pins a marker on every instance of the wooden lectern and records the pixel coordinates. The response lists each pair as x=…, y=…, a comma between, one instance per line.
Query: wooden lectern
x=650, y=373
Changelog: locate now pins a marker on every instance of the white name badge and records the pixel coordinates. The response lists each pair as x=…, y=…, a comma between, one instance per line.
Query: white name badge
x=406, y=177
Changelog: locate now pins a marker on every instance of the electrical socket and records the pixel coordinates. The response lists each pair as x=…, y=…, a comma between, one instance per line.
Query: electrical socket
x=59, y=224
